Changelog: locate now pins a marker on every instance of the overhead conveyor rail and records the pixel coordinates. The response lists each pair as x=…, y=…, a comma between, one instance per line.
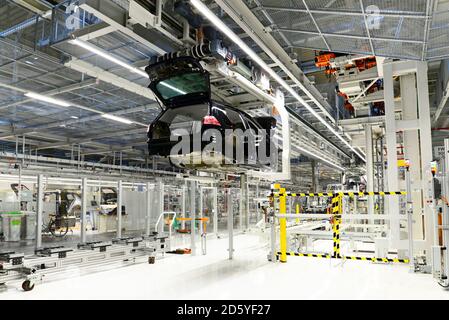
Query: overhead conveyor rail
x=304, y=138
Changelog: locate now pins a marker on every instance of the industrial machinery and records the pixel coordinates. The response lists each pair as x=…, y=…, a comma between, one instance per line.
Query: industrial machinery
x=357, y=78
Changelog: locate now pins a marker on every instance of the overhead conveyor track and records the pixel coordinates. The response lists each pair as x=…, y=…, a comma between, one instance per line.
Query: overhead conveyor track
x=241, y=15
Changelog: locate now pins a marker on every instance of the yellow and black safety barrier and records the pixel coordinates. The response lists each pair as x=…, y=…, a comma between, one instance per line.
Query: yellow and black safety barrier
x=332, y=195
x=384, y=260
x=309, y=255
x=336, y=211
x=327, y=256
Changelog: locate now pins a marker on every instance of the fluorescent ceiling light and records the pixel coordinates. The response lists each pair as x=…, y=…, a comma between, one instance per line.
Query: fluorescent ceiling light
x=108, y=56
x=253, y=55
x=118, y=119
x=48, y=99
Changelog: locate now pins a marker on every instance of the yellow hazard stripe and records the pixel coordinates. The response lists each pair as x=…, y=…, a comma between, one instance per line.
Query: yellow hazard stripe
x=336, y=195
x=383, y=260
x=328, y=256
x=306, y=255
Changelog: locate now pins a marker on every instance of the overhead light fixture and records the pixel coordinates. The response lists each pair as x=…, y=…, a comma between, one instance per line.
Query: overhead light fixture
x=104, y=54
x=40, y=97
x=253, y=55
x=118, y=119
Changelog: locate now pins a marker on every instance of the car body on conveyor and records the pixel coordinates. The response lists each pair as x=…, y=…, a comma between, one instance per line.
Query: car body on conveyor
x=183, y=87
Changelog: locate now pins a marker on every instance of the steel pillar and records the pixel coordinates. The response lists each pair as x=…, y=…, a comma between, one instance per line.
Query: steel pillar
x=40, y=204
x=445, y=215
x=244, y=200
x=192, y=190
x=369, y=167
x=83, y=209
x=148, y=216
x=215, y=195
x=426, y=150
x=392, y=172
x=160, y=203
x=183, y=205
x=314, y=177
x=119, y=208
x=412, y=149
x=230, y=223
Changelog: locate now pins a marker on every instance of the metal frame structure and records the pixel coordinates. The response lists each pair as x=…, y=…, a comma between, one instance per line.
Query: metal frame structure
x=50, y=263
x=406, y=30
x=336, y=216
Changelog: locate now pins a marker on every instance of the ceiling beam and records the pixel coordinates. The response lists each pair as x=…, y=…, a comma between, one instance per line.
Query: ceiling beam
x=106, y=76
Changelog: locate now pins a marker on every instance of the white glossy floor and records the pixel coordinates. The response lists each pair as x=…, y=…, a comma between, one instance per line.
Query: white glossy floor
x=249, y=276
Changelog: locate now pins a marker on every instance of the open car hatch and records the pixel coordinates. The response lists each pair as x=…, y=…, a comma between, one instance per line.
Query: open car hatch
x=179, y=82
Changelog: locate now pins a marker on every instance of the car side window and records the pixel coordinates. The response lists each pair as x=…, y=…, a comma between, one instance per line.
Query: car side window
x=236, y=119
x=253, y=126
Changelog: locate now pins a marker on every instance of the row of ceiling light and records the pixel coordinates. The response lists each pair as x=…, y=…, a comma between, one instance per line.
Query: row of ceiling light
x=105, y=55
x=109, y=57
x=63, y=103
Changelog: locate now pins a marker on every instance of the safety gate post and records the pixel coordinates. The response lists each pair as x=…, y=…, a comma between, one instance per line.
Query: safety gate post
x=283, y=224
x=337, y=211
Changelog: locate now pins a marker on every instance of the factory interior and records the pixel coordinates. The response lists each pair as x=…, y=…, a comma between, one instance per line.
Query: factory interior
x=224, y=149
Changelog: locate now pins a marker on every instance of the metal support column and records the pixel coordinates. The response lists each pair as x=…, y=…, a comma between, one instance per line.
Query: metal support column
x=192, y=190
x=412, y=149
x=119, y=208
x=410, y=219
x=201, y=209
x=160, y=193
x=148, y=211
x=240, y=209
x=283, y=225
x=19, y=190
x=230, y=223
x=183, y=205
x=426, y=149
x=369, y=168
x=392, y=159
x=83, y=209
x=445, y=217
x=245, y=203
x=40, y=204
x=314, y=177
x=215, y=195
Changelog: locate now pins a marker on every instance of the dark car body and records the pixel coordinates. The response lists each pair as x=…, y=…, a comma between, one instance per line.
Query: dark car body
x=183, y=86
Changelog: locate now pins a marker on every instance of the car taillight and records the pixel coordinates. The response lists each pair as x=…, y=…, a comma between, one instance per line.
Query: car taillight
x=211, y=120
